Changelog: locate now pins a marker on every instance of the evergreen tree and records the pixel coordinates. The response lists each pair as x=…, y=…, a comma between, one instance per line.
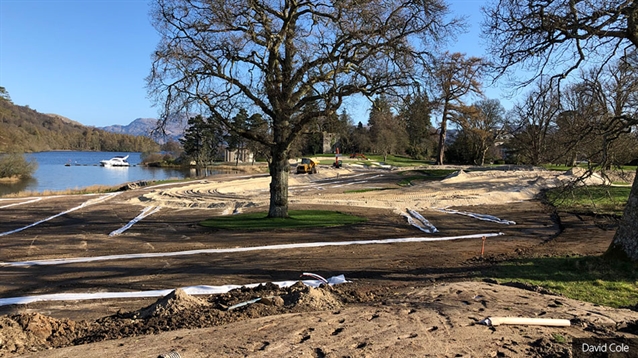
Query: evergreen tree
x=237, y=142
x=201, y=140
x=387, y=132
x=415, y=113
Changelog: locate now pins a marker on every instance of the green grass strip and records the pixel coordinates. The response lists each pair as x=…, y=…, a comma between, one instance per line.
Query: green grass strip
x=587, y=199
x=366, y=190
x=590, y=278
x=399, y=161
x=298, y=219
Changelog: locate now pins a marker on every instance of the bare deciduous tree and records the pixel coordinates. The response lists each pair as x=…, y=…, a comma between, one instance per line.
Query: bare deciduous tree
x=534, y=120
x=482, y=123
x=556, y=37
x=455, y=76
x=277, y=58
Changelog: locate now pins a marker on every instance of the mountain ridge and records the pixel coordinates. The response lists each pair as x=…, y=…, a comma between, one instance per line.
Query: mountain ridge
x=173, y=131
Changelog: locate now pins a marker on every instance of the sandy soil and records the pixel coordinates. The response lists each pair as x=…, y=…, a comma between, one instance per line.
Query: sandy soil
x=403, y=299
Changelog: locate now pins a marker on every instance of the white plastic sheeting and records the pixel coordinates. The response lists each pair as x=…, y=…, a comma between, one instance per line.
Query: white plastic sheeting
x=240, y=249
x=83, y=205
x=483, y=217
x=147, y=211
x=421, y=223
x=191, y=290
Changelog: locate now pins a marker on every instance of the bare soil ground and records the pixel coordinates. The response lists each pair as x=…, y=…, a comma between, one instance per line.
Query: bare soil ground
x=404, y=299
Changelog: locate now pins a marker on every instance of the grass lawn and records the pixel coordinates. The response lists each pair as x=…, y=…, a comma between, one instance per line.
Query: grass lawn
x=373, y=159
x=366, y=190
x=327, y=161
x=592, y=278
x=561, y=167
x=398, y=161
x=298, y=219
x=589, y=278
x=564, y=168
x=587, y=199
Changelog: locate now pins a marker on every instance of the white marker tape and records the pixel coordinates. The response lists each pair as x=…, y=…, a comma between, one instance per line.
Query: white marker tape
x=21, y=203
x=85, y=204
x=192, y=290
x=239, y=249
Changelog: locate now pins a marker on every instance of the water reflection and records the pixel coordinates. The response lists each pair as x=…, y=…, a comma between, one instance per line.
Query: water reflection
x=17, y=186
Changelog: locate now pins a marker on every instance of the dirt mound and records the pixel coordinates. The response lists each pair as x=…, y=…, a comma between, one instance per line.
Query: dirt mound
x=171, y=304
x=177, y=310
x=34, y=331
x=406, y=318
x=315, y=298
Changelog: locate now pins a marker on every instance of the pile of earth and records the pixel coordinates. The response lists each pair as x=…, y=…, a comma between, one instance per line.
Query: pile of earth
x=35, y=332
x=358, y=318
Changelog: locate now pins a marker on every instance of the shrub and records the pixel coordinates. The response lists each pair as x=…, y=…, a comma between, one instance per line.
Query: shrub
x=14, y=165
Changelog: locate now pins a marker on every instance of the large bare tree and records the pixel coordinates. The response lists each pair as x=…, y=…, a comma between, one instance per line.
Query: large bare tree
x=455, y=76
x=556, y=37
x=279, y=57
x=533, y=121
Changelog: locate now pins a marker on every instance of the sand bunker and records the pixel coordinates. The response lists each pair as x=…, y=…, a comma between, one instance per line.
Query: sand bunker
x=463, y=188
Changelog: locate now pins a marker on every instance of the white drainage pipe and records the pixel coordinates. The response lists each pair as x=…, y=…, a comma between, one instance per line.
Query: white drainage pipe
x=497, y=321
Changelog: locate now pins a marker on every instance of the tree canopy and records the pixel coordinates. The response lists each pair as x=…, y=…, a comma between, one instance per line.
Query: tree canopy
x=556, y=37
x=282, y=58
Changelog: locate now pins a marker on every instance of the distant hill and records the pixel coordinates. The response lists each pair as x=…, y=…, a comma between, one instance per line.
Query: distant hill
x=147, y=127
x=64, y=119
x=23, y=129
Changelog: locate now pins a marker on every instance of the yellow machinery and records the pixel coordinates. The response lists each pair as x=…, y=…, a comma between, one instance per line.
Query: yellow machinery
x=307, y=165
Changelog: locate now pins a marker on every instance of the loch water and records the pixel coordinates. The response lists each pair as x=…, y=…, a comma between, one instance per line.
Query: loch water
x=64, y=170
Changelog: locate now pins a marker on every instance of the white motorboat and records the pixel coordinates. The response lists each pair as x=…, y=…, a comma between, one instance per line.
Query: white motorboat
x=117, y=161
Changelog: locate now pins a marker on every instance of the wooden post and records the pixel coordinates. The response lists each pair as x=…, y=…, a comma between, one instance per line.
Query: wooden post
x=483, y=246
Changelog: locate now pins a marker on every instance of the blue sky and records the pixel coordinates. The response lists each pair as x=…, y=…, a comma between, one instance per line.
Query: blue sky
x=87, y=59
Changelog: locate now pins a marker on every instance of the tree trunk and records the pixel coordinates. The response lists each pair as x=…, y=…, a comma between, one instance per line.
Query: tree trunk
x=625, y=243
x=483, y=154
x=279, y=171
x=442, y=135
